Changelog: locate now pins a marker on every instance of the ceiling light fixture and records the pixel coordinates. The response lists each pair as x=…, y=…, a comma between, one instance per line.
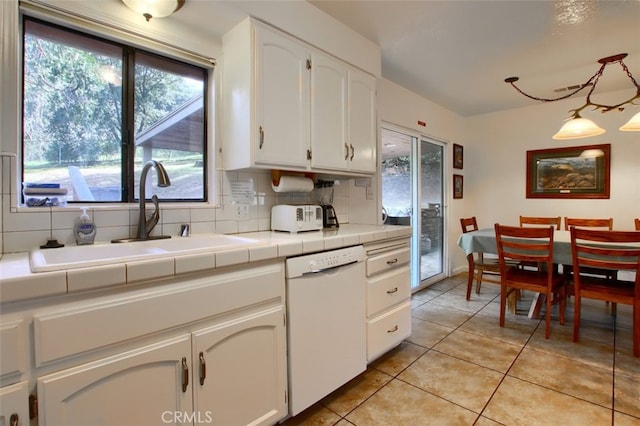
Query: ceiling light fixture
x=154, y=8
x=579, y=127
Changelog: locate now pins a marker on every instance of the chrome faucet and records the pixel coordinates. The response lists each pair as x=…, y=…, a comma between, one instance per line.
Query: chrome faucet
x=146, y=226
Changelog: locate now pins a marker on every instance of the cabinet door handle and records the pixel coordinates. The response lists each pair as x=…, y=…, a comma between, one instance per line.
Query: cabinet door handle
x=393, y=290
x=392, y=261
x=346, y=151
x=353, y=151
x=261, y=130
x=203, y=369
x=14, y=420
x=185, y=374
x=393, y=330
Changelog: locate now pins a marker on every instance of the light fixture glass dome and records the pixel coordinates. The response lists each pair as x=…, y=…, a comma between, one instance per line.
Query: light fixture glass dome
x=577, y=128
x=154, y=8
x=632, y=125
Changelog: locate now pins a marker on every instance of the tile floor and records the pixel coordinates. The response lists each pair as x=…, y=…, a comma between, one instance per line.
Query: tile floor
x=460, y=368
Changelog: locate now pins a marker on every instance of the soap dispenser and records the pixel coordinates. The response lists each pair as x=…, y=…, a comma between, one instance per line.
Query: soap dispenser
x=84, y=230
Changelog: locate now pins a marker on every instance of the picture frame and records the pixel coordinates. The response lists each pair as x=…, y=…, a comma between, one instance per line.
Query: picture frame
x=572, y=172
x=458, y=186
x=458, y=156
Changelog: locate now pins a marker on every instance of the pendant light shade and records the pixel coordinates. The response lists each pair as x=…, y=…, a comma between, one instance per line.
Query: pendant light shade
x=632, y=125
x=578, y=128
x=154, y=8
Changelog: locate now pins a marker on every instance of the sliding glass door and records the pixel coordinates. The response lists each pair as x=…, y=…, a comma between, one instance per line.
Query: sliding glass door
x=413, y=194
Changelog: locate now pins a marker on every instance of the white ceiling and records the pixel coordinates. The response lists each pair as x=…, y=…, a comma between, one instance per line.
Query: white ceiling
x=457, y=53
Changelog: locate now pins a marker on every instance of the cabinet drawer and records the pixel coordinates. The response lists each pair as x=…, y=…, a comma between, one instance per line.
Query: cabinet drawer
x=388, y=260
x=388, y=289
x=388, y=330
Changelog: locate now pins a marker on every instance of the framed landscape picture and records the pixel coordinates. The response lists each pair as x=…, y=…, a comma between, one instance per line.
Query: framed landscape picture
x=572, y=172
x=457, y=186
x=458, y=156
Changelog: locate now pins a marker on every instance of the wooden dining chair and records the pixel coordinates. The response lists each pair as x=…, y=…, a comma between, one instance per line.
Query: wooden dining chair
x=637, y=222
x=484, y=269
x=598, y=249
x=533, y=220
x=534, y=245
x=604, y=224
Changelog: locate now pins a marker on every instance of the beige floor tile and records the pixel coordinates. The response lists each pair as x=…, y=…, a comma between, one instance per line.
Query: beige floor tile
x=448, y=284
x=350, y=395
x=427, y=334
x=481, y=350
x=460, y=302
x=565, y=375
x=621, y=419
x=627, y=394
x=399, y=403
x=466, y=384
x=483, y=421
x=626, y=363
x=561, y=344
x=513, y=332
x=521, y=403
x=442, y=315
x=398, y=358
x=316, y=415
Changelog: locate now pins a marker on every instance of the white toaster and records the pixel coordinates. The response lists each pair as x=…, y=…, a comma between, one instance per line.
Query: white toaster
x=296, y=218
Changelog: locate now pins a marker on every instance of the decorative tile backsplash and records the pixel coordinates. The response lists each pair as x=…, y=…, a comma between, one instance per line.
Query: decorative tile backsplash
x=25, y=228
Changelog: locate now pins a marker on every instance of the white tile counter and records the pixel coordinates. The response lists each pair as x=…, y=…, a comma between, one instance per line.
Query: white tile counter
x=17, y=282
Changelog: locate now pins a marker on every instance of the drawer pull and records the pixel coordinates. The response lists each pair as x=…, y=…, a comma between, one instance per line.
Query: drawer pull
x=393, y=290
x=393, y=330
x=203, y=369
x=392, y=261
x=185, y=374
x=14, y=420
x=261, y=130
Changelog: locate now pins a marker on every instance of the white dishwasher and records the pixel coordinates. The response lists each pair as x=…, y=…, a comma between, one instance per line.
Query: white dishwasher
x=326, y=323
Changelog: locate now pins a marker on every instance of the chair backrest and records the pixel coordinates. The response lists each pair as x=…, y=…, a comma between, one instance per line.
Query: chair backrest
x=468, y=224
x=637, y=222
x=532, y=220
x=588, y=223
x=525, y=244
x=587, y=249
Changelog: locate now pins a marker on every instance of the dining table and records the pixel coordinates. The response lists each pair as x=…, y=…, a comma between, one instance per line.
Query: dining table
x=484, y=240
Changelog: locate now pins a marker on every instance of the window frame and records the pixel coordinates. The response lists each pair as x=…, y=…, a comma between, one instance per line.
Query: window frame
x=127, y=143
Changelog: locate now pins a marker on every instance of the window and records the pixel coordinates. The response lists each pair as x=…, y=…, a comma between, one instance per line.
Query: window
x=95, y=111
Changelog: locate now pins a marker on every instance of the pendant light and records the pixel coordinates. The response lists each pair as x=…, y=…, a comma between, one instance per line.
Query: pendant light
x=579, y=127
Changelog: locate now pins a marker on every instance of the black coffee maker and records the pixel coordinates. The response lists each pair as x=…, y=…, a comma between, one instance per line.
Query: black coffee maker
x=324, y=197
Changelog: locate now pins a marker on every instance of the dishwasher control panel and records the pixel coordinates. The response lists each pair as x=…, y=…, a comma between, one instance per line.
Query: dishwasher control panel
x=317, y=262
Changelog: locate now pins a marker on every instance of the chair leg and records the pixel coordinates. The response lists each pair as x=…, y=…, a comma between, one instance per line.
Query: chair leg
x=576, y=317
x=471, y=274
x=636, y=329
x=547, y=316
x=503, y=303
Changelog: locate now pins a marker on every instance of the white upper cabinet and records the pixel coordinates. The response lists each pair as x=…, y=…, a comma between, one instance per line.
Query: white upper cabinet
x=343, y=117
x=282, y=101
x=289, y=106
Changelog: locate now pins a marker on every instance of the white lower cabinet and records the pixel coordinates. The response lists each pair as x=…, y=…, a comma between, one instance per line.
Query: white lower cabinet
x=240, y=367
x=14, y=408
x=388, y=296
x=145, y=386
x=231, y=373
x=209, y=348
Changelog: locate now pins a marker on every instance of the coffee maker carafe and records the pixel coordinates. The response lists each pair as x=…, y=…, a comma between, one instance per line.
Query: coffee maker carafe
x=324, y=197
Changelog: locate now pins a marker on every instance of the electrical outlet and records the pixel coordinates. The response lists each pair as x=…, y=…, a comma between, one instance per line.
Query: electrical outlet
x=370, y=195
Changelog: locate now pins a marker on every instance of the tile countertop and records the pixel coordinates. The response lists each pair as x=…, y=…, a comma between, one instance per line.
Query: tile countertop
x=17, y=282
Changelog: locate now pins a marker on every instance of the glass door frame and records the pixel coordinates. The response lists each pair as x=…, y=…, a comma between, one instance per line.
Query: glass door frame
x=416, y=217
